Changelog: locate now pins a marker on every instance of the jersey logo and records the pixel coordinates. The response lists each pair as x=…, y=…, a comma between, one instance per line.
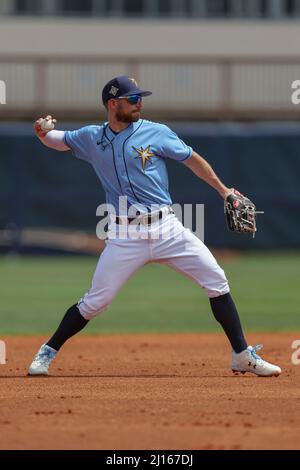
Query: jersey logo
x=144, y=154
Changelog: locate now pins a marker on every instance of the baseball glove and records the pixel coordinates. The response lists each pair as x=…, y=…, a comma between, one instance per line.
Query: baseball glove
x=240, y=213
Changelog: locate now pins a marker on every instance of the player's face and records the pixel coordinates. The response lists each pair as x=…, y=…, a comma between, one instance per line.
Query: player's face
x=128, y=112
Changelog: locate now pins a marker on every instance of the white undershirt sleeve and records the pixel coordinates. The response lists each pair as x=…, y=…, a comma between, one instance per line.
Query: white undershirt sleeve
x=55, y=140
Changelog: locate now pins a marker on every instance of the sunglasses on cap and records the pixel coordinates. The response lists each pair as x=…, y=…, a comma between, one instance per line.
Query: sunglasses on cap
x=132, y=99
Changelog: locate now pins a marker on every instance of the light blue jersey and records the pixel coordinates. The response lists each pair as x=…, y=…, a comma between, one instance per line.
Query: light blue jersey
x=132, y=162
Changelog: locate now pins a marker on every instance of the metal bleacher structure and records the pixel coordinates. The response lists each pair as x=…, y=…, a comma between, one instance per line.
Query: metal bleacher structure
x=229, y=89
x=272, y=9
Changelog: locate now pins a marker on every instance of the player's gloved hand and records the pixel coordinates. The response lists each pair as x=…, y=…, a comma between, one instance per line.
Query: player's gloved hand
x=240, y=213
x=44, y=125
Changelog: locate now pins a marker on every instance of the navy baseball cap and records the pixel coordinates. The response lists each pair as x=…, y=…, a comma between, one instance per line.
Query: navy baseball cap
x=122, y=86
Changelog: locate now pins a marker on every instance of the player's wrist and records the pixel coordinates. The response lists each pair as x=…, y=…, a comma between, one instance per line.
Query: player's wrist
x=225, y=192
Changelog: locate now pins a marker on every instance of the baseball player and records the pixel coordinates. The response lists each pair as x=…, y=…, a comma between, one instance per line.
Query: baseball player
x=129, y=155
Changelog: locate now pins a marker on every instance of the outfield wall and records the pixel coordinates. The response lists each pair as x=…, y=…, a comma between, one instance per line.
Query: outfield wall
x=42, y=188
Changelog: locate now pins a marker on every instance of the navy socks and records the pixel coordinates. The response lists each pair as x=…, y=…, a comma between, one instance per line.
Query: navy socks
x=226, y=314
x=71, y=323
x=223, y=308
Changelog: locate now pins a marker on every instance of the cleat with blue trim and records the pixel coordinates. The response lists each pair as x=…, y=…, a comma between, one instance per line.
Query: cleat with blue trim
x=42, y=360
x=249, y=361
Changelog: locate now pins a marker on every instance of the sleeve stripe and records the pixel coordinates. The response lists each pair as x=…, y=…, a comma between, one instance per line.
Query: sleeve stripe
x=188, y=155
x=66, y=140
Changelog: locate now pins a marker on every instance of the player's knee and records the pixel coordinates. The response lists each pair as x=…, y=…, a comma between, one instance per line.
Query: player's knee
x=91, y=306
x=217, y=285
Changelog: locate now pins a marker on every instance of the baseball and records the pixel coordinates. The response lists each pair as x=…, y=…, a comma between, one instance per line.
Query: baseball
x=47, y=125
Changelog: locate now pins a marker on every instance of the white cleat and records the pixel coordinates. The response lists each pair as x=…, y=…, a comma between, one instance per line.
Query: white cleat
x=42, y=361
x=249, y=361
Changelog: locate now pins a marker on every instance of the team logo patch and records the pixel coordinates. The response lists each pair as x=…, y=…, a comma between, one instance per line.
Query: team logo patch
x=114, y=90
x=144, y=154
x=134, y=81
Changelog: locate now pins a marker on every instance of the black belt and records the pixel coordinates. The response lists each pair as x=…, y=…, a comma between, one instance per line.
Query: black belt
x=150, y=218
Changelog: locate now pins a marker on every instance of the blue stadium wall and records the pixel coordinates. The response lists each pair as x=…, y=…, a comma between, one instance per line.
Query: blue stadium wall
x=43, y=188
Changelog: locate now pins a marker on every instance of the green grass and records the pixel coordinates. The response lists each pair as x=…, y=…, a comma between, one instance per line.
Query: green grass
x=35, y=292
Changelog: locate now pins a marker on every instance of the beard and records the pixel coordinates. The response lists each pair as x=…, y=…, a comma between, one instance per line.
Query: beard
x=134, y=116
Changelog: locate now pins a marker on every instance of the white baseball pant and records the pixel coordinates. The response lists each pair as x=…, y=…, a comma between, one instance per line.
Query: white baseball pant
x=166, y=241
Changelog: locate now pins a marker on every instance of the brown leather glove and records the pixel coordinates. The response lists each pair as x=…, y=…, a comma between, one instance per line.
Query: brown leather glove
x=240, y=213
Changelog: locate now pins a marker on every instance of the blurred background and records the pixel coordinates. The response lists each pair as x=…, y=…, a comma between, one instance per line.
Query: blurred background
x=221, y=72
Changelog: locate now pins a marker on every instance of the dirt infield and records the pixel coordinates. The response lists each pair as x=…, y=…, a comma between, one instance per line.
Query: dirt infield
x=148, y=392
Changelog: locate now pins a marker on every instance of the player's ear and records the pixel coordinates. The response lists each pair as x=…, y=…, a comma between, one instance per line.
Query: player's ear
x=112, y=104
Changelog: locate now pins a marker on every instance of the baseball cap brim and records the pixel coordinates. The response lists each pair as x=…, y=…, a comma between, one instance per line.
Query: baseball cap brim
x=137, y=91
